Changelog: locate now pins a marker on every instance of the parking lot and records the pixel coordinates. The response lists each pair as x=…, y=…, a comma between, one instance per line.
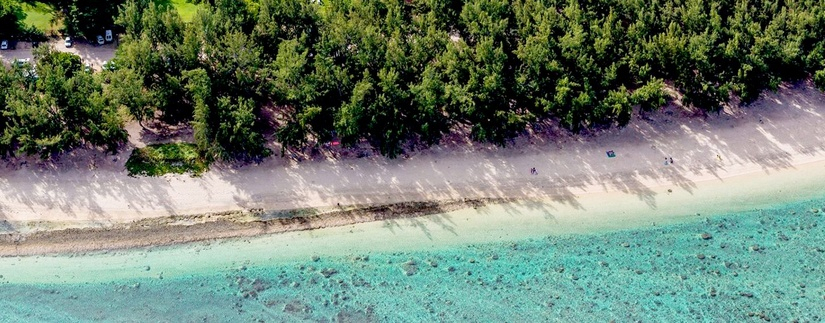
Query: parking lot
x=90, y=53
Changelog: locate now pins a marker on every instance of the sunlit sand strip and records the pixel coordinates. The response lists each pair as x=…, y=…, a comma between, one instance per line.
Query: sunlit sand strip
x=594, y=212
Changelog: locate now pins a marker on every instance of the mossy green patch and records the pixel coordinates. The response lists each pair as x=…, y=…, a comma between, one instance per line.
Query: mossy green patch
x=185, y=8
x=173, y=158
x=39, y=15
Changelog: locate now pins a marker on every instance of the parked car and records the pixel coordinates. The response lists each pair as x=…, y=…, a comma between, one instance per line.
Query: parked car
x=109, y=36
x=87, y=68
x=68, y=42
x=20, y=62
x=100, y=40
x=110, y=66
x=26, y=68
x=4, y=45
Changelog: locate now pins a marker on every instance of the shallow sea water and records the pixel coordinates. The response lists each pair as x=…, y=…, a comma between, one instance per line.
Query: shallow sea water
x=752, y=266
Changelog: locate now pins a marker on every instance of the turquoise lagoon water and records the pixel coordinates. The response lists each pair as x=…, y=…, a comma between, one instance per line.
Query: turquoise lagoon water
x=753, y=266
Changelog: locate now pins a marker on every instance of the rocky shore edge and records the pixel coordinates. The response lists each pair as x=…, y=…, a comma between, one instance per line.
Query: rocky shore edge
x=180, y=229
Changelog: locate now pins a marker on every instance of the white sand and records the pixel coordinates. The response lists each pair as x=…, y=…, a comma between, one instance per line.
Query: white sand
x=576, y=179
x=578, y=189
x=506, y=222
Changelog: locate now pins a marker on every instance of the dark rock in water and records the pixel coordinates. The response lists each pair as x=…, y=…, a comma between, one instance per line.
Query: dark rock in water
x=297, y=307
x=354, y=316
x=259, y=285
x=762, y=316
x=706, y=236
x=361, y=258
x=329, y=272
x=409, y=268
x=746, y=294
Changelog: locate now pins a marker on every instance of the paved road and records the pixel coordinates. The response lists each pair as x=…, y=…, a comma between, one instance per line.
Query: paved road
x=89, y=53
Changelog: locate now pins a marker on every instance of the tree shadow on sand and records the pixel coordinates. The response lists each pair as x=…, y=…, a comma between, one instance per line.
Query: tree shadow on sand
x=767, y=133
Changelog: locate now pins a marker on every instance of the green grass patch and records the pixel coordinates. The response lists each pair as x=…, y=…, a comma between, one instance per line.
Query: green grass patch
x=186, y=9
x=40, y=15
x=174, y=158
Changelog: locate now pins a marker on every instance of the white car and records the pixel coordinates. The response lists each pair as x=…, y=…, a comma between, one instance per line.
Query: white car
x=108, y=66
x=100, y=40
x=108, y=36
x=87, y=68
x=68, y=42
x=20, y=62
x=4, y=45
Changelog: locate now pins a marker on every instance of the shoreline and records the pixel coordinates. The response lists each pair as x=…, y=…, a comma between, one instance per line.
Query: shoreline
x=772, y=152
x=494, y=222
x=174, y=230
x=594, y=212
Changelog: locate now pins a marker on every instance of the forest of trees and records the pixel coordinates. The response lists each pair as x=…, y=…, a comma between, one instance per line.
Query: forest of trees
x=390, y=71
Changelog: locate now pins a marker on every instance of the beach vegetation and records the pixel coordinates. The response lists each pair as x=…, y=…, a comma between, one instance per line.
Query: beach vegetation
x=393, y=71
x=169, y=158
x=246, y=74
x=52, y=107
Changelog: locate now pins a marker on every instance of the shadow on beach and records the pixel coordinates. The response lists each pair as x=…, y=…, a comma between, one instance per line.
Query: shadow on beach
x=768, y=133
x=91, y=187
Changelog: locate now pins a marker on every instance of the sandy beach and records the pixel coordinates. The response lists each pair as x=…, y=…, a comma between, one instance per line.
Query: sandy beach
x=743, y=158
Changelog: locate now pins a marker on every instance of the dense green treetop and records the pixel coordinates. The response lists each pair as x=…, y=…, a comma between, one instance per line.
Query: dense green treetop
x=393, y=71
